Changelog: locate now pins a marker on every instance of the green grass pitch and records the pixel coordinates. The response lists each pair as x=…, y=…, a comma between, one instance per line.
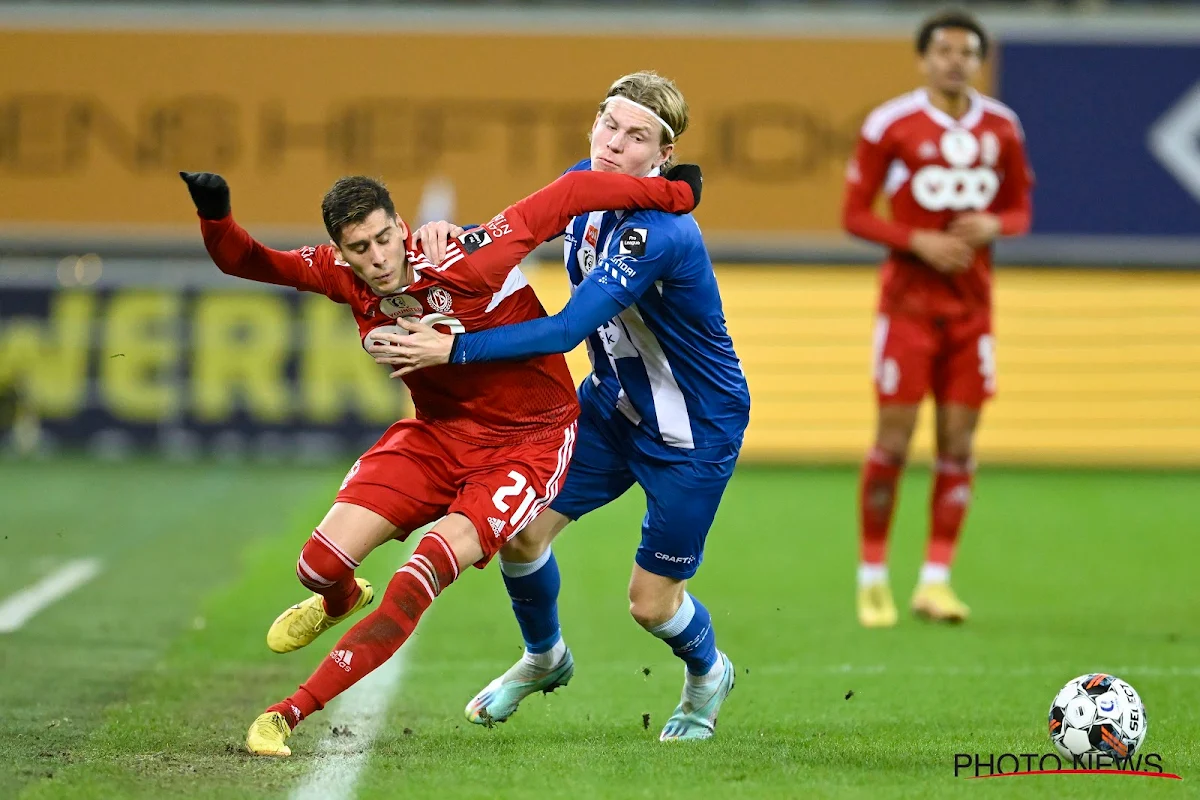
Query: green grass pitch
x=142, y=682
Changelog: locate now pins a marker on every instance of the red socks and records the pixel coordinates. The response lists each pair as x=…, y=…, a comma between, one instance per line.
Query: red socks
x=377, y=636
x=948, y=507
x=326, y=569
x=876, y=500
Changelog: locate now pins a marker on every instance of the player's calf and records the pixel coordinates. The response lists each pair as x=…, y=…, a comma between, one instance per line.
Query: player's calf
x=325, y=568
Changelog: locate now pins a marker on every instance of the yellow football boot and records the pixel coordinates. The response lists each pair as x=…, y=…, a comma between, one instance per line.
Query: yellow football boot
x=875, y=606
x=302, y=623
x=267, y=735
x=937, y=602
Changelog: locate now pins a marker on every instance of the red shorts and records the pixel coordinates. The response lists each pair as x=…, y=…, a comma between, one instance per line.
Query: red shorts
x=954, y=359
x=416, y=474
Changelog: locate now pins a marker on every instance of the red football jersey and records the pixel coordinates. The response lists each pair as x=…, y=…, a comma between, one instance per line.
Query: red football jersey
x=933, y=167
x=478, y=286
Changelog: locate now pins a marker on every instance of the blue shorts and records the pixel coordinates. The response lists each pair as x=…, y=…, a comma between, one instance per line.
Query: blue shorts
x=683, y=487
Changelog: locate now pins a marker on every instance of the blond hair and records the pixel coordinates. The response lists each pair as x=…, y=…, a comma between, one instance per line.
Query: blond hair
x=660, y=95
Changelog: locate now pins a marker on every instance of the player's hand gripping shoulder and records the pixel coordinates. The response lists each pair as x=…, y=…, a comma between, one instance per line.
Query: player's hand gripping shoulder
x=209, y=192
x=689, y=174
x=434, y=238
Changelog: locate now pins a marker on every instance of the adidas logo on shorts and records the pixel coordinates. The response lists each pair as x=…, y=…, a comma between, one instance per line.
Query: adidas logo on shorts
x=497, y=525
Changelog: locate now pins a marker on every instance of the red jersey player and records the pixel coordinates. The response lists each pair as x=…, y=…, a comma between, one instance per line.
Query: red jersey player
x=952, y=163
x=490, y=444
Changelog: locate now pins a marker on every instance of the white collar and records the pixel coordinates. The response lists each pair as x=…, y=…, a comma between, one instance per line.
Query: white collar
x=968, y=120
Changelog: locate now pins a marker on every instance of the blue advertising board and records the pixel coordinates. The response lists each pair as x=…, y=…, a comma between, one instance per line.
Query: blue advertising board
x=1113, y=132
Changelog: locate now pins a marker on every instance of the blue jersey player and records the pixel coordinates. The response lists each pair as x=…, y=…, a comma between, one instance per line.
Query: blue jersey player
x=666, y=407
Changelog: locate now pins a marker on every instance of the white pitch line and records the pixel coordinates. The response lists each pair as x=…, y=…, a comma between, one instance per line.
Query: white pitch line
x=18, y=609
x=362, y=710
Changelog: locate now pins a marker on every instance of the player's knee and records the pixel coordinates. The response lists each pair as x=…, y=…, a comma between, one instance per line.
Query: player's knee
x=524, y=549
x=647, y=613
x=323, y=564
x=893, y=445
x=956, y=446
x=893, y=438
x=650, y=608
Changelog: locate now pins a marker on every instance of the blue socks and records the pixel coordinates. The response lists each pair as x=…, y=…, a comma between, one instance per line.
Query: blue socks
x=690, y=635
x=533, y=589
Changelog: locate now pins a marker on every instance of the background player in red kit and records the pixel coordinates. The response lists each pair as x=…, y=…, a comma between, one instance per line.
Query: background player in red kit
x=952, y=164
x=490, y=443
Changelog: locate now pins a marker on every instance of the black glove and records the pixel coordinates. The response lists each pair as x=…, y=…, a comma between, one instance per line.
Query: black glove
x=209, y=192
x=689, y=174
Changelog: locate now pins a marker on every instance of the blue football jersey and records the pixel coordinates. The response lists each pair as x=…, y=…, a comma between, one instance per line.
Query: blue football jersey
x=667, y=361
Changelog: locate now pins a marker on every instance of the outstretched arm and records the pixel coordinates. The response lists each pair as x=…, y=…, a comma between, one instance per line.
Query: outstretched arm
x=547, y=211
x=588, y=309
x=236, y=252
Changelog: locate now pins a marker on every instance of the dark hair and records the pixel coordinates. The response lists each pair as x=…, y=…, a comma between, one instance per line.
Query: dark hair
x=351, y=200
x=951, y=18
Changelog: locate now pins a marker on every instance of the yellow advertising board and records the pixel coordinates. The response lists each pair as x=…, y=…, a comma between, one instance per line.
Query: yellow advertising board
x=1095, y=367
x=95, y=124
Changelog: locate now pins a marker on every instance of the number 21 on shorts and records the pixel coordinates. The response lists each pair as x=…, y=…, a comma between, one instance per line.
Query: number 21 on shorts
x=519, y=484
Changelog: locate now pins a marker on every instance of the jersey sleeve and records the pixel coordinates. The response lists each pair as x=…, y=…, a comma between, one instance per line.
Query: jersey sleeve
x=588, y=309
x=1014, y=203
x=546, y=212
x=237, y=253
x=865, y=175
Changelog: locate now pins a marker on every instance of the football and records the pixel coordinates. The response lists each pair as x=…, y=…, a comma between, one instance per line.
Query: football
x=1097, y=719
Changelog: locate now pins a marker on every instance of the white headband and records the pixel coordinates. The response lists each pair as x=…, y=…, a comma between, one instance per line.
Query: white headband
x=661, y=121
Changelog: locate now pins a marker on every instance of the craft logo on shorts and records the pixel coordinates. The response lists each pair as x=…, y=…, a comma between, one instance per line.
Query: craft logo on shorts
x=633, y=242
x=474, y=239
x=440, y=300
x=401, y=305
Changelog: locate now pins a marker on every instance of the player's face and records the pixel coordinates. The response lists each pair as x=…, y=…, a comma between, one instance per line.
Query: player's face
x=374, y=249
x=952, y=60
x=627, y=140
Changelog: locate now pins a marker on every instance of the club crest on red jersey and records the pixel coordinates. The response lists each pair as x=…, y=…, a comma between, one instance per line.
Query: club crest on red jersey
x=959, y=147
x=440, y=300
